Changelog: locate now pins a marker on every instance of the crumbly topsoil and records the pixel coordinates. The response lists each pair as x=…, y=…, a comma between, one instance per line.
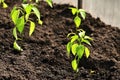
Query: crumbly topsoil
x=44, y=56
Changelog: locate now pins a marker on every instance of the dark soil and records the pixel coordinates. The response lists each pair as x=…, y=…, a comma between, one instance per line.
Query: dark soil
x=44, y=56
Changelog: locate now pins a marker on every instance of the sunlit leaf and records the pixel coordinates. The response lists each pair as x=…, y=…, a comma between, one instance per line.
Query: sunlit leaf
x=28, y=8
x=36, y=1
x=5, y=5
x=32, y=28
x=36, y=11
x=74, y=10
x=87, y=37
x=17, y=47
x=87, y=52
x=86, y=41
x=24, y=5
x=74, y=64
x=82, y=12
x=20, y=24
x=27, y=16
x=74, y=38
x=15, y=33
x=74, y=46
x=15, y=15
x=69, y=44
x=82, y=34
x=80, y=50
x=40, y=22
x=49, y=3
x=70, y=34
x=77, y=21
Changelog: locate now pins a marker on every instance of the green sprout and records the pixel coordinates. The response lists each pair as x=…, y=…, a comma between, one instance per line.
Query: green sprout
x=20, y=17
x=49, y=3
x=78, y=39
x=4, y=5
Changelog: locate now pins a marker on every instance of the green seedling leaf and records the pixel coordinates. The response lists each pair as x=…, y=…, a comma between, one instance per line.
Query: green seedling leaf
x=36, y=1
x=87, y=37
x=77, y=21
x=36, y=12
x=82, y=34
x=15, y=33
x=74, y=38
x=27, y=8
x=15, y=15
x=87, y=52
x=49, y=3
x=24, y=5
x=74, y=10
x=82, y=12
x=40, y=22
x=17, y=47
x=14, y=8
x=80, y=50
x=32, y=28
x=86, y=41
x=70, y=34
x=20, y=24
x=27, y=16
x=69, y=44
x=74, y=64
x=74, y=47
x=5, y=5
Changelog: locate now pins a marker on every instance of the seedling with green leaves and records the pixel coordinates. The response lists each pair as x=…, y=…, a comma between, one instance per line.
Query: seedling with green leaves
x=78, y=39
x=20, y=17
x=4, y=5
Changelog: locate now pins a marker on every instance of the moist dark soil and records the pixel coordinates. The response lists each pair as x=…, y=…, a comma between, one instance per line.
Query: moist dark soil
x=44, y=56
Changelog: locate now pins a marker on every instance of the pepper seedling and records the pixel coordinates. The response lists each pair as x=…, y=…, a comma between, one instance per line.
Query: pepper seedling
x=4, y=5
x=20, y=17
x=78, y=39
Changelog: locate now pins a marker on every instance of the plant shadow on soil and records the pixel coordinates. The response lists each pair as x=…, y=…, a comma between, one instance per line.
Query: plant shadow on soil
x=44, y=56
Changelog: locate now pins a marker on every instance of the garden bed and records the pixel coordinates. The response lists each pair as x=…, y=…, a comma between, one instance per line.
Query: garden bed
x=44, y=56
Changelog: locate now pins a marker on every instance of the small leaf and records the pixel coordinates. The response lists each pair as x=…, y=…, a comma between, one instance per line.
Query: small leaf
x=87, y=52
x=36, y=11
x=74, y=46
x=82, y=34
x=82, y=12
x=74, y=10
x=69, y=44
x=77, y=21
x=70, y=34
x=17, y=47
x=87, y=37
x=74, y=64
x=15, y=33
x=32, y=28
x=86, y=41
x=13, y=10
x=15, y=15
x=5, y=5
x=28, y=9
x=49, y=3
x=20, y=24
x=36, y=1
x=80, y=50
x=24, y=5
x=75, y=37
x=40, y=22
x=27, y=16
